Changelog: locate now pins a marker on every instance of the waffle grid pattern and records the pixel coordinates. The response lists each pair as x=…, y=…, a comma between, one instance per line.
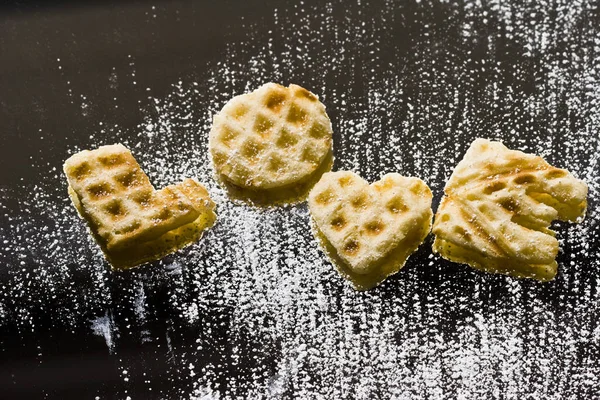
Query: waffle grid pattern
x=366, y=222
x=498, y=207
x=119, y=200
x=272, y=137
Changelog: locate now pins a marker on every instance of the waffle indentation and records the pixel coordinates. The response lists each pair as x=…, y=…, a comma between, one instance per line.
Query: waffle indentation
x=82, y=171
x=351, y=248
x=274, y=100
x=98, y=190
x=115, y=209
x=338, y=223
x=252, y=150
x=263, y=125
x=325, y=197
x=296, y=114
x=374, y=228
x=396, y=206
x=286, y=139
x=111, y=160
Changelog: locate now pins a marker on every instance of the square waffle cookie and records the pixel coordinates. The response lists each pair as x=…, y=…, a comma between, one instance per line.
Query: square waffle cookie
x=132, y=222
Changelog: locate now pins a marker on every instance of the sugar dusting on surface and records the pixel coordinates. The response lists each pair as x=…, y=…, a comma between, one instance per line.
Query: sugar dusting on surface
x=264, y=313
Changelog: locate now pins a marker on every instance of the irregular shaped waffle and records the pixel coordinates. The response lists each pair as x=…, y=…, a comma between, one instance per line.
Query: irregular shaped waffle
x=497, y=208
x=270, y=138
x=370, y=230
x=133, y=222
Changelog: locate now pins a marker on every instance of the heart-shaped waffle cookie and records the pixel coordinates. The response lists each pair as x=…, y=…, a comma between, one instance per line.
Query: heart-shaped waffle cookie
x=497, y=209
x=370, y=230
x=133, y=222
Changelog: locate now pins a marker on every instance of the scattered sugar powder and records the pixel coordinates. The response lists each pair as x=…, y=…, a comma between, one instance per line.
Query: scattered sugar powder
x=254, y=309
x=102, y=326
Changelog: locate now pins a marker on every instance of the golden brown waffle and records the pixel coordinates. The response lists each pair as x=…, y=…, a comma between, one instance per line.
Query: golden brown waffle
x=270, y=138
x=124, y=211
x=497, y=209
x=365, y=224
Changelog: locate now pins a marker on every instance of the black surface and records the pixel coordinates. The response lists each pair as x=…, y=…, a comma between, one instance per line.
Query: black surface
x=53, y=353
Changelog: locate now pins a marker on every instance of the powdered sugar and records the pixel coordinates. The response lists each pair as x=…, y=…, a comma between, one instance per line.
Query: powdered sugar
x=255, y=309
x=102, y=326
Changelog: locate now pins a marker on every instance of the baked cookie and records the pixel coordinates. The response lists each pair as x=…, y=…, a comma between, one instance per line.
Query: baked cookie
x=132, y=222
x=370, y=230
x=497, y=209
x=271, y=138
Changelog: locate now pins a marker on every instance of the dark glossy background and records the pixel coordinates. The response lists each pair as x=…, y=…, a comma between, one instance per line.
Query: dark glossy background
x=445, y=103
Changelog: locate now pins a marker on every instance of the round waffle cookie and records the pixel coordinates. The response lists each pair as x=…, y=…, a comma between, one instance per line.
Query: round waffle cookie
x=271, y=138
